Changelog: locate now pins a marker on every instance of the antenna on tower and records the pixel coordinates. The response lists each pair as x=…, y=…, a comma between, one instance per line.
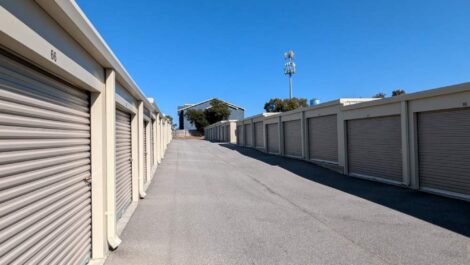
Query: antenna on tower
x=289, y=68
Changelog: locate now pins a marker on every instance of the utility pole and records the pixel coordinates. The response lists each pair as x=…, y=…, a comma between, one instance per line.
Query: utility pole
x=289, y=68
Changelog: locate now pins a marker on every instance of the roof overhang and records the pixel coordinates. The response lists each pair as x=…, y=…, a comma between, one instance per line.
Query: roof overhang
x=68, y=15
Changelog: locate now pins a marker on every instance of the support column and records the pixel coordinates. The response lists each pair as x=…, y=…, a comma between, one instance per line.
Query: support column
x=140, y=120
x=281, y=136
x=405, y=143
x=110, y=140
x=98, y=178
x=159, y=142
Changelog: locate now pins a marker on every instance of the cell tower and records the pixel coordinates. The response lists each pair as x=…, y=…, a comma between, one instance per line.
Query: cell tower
x=289, y=68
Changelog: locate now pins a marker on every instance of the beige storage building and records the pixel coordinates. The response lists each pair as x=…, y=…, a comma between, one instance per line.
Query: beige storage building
x=417, y=140
x=72, y=137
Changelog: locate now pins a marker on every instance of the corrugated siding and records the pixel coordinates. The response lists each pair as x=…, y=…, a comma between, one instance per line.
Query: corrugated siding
x=259, y=139
x=123, y=162
x=240, y=134
x=45, y=198
x=292, y=138
x=226, y=132
x=272, y=134
x=152, y=144
x=248, y=135
x=444, y=150
x=374, y=147
x=323, y=138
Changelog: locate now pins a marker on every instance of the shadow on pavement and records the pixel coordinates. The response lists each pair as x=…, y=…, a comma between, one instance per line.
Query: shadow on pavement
x=448, y=213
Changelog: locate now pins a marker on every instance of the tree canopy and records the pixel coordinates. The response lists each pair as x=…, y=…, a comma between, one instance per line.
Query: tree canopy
x=282, y=105
x=218, y=111
x=396, y=92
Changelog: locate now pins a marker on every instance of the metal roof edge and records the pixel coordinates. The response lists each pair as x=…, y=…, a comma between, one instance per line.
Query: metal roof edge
x=71, y=17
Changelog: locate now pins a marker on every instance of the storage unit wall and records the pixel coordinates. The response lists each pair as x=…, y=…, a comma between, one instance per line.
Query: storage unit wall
x=69, y=117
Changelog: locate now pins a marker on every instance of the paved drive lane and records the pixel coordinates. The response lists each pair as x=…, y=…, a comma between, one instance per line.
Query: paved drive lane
x=218, y=204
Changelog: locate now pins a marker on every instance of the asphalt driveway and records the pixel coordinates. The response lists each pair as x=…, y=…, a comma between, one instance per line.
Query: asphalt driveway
x=215, y=203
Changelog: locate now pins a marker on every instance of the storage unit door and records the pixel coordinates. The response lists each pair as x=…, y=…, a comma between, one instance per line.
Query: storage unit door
x=323, y=138
x=152, y=143
x=123, y=162
x=145, y=153
x=240, y=135
x=248, y=135
x=259, y=134
x=272, y=134
x=374, y=148
x=292, y=138
x=444, y=151
x=45, y=195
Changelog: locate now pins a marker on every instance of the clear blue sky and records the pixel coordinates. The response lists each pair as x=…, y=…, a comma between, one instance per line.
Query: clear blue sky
x=184, y=51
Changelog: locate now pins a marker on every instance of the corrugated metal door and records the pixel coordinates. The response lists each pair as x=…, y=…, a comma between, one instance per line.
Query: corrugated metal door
x=123, y=162
x=292, y=138
x=237, y=132
x=152, y=145
x=145, y=152
x=45, y=195
x=374, y=148
x=272, y=134
x=248, y=135
x=444, y=150
x=323, y=138
x=259, y=134
x=240, y=135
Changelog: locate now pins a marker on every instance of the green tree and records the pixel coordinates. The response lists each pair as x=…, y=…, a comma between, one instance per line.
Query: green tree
x=218, y=111
x=274, y=105
x=398, y=92
x=294, y=103
x=379, y=95
x=197, y=118
x=282, y=105
x=169, y=118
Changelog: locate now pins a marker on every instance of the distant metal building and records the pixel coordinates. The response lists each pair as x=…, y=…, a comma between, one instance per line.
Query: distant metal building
x=236, y=113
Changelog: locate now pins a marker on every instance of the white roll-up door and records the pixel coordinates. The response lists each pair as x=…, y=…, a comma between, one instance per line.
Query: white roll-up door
x=323, y=138
x=248, y=135
x=444, y=151
x=240, y=138
x=45, y=191
x=374, y=148
x=292, y=138
x=145, y=153
x=259, y=139
x=152, y=145
x=272, y=138
x=123, y=162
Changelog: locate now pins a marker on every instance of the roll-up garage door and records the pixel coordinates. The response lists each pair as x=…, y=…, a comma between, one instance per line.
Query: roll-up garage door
x=152, y=145
x=227, y=133
x=272, y=134
x=248, y=135
x=45, y=192
x=259, y=142
x=123, y=162
x=444, y=150
x=240, y=135
x=145, y=152
x=292, y=138
x=374, y=148
x=323, y=138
